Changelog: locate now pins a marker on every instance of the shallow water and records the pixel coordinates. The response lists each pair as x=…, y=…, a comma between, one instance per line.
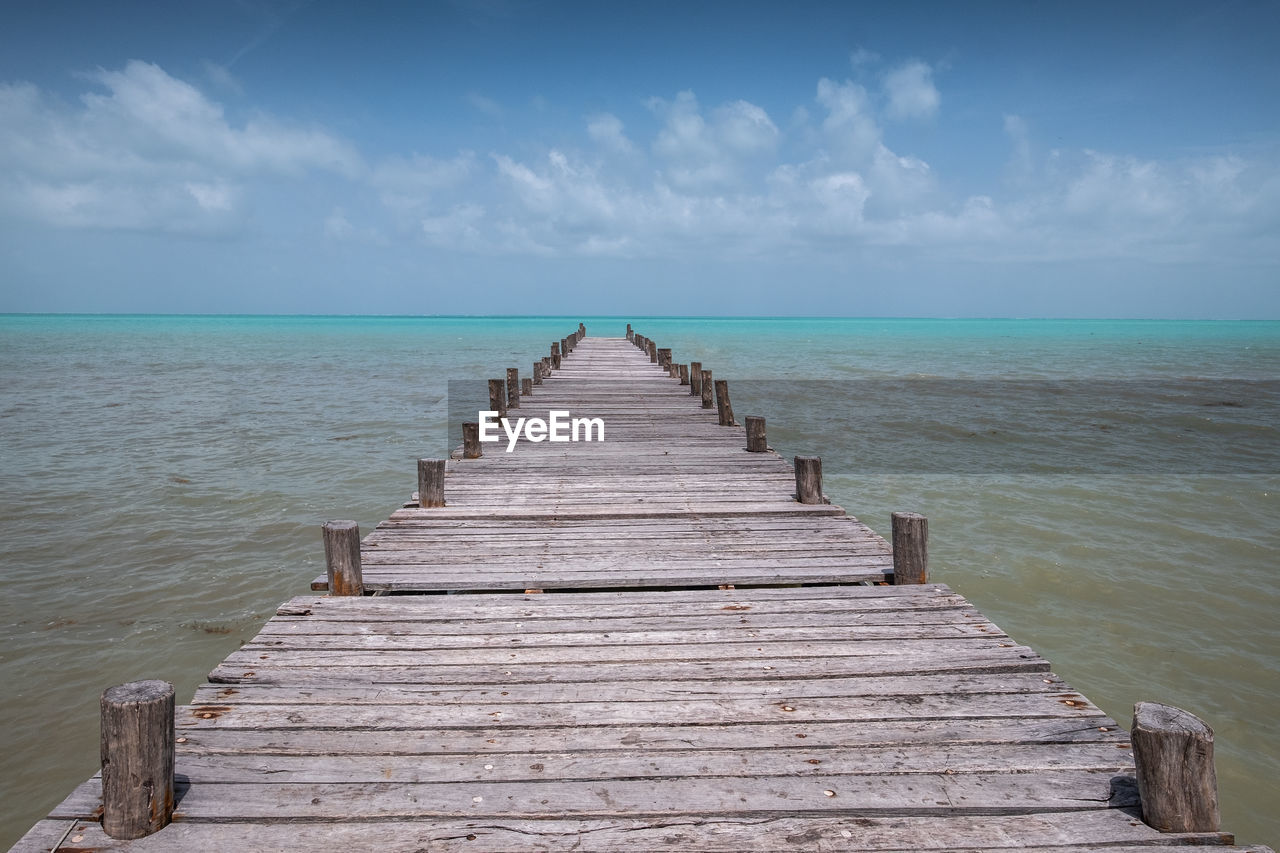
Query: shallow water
x=163, y=479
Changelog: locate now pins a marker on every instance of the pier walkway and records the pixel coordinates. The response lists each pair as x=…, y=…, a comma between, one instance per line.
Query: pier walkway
x=709, y=665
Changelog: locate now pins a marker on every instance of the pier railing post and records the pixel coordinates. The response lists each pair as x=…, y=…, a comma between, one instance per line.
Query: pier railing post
x=513, y=388
x=664, y=358
x=756, y=441
x=684, y=373
x=630, y=334
x=526, y=387
x=565, y=348
x=809, y=479
x=537, y=373
x=137, y=742
x=707, y=390
x=724, y=409
x=471, y=441
x=498, y=397
x=695, y=379
x=910, y=548
x=1177, y=783
x=342, y=557
x=430, y=482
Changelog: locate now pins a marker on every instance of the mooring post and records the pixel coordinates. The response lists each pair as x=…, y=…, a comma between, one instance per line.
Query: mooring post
x=630, y=334
x=565, y=349
x=1177, y=783
x=653, y=352
x=695, y=379
x=673, y=370
x=555, y=355
x=724, y=409
x=513, y=388
x=526, y=386
x=342, y=557
x=684, y=373
x=137, y=743
x=664, y=358
x=756, y=442
x=707, y=390
x=537, y=373
x=809, y=479
x=430, y=482
x=498, y=397
x=471, y=441
x=910, y=548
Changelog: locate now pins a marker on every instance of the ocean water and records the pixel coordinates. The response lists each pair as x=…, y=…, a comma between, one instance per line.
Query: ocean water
x=1105, y=491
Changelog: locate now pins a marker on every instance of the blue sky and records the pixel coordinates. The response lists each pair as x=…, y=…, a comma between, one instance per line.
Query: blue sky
x=494, y=156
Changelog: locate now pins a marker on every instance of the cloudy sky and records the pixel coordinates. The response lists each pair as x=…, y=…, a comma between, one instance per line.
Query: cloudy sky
x=745, y=158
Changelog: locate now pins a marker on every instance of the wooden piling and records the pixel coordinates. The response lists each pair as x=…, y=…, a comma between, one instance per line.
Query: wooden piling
x=137, y=742
x=724, y=409
x=513, y=388
x=707, y=390
x=430, y=482
x=537, y=373
x=498, y=397
x=1177, y=783
x=695, y=379
x=684, y=374
x=526, y=386
x=471, y=441
x=555, y=355
x=910, y=548
x=664, y=358
x=630, y=334
x=756, y=441
x=653, y=352
x=342, y=557
x=809, y=479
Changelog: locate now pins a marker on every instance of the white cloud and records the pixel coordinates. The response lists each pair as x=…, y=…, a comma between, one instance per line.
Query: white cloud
x=911, y=92
x=606, y=130
x=850, y=125
x=488, y=106
x=411, y=184
x=146, y=151
x=861, y=56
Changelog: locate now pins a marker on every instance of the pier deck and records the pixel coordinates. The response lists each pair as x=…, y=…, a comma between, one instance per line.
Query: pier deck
x=655, y=712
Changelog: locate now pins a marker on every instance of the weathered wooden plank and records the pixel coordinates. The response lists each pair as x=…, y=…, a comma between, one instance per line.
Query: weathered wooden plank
x=1037, y=831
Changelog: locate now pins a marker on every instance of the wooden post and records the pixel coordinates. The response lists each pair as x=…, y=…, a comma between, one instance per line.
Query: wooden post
x=513, y=388
x=910, y=548
x=1173, y=753
x=526, y=387
x=137, y=758
x=707, y=390
x=498, y=397
x=653, y=352
x=342, y=557
x=471, y=441
x=630, y=334
x=809, y=479
x=537, y=373
x=695, y=379
x=684, y=374
x=430, y=482
x=565, y=349
x=756, y=442
x=724, y=409
x=673, y=370
x=664, y=358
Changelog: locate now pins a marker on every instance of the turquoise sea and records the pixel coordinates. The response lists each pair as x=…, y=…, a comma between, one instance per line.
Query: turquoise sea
x=1106, y=491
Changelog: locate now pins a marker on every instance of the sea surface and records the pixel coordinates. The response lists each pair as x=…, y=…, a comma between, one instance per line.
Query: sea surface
x=1106, y=491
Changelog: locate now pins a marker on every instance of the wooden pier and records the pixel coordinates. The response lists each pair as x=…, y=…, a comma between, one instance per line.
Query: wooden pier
x=644, y=643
